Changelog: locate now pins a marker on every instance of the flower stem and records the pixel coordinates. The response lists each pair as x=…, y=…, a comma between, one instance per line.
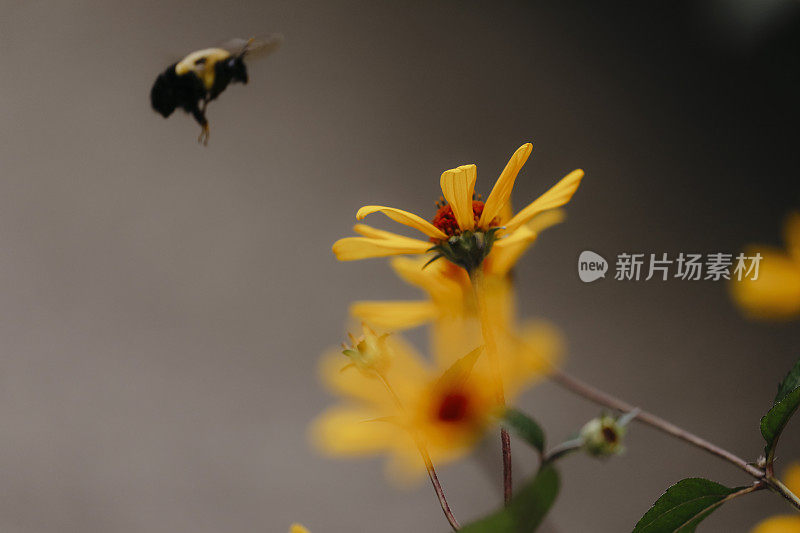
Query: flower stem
x=490, y=343
x=426, y=458
x=603, y=398
x=437, y=486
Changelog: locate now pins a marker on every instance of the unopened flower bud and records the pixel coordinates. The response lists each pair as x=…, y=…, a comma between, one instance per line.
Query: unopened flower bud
x=368, y=352
x=602, y=436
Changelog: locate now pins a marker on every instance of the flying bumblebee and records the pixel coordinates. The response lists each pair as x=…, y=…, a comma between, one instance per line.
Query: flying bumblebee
x=201, y=76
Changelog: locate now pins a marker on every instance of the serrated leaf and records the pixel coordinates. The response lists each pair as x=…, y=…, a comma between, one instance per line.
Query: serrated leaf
x=789, y=383
x=527, y=508
x=526, y=428
x=683, y=506
x=786, y=402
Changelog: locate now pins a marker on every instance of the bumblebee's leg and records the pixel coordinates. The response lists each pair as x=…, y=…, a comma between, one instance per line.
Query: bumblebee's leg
x=199, y=114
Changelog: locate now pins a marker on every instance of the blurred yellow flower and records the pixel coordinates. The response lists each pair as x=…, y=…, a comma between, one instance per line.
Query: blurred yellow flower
x=297, y=528
x=776, y=292
x=452, y=310
x=784, y=523
x=410, y=407
x=461, y=212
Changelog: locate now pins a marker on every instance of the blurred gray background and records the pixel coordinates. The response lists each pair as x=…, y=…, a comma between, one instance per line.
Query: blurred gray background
x=164, y=304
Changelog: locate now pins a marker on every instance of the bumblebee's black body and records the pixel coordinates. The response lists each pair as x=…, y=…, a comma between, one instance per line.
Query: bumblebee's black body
x=193, y=82
x=200, y=77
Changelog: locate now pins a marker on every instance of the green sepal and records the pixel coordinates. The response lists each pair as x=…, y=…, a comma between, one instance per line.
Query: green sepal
x=468, y=249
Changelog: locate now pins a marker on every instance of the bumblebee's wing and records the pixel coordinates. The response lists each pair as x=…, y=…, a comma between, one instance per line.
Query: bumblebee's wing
x=254, y=47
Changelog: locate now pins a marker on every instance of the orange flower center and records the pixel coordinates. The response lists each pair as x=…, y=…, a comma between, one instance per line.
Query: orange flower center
x=445, y=220
x=454, y=407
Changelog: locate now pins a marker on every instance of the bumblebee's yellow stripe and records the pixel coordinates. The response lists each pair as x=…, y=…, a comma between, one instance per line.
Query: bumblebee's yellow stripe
x=202, y=63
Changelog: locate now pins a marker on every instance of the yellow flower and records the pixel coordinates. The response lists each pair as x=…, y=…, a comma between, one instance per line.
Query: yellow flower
x=461, y=213
x=776, y=292
x=784, y=523
x=297, y=528
x=411, y=405
x=448, y=287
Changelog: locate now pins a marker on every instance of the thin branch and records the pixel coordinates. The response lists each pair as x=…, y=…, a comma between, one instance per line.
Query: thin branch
x=591, y=393
x=557, y=452
x=776, y=485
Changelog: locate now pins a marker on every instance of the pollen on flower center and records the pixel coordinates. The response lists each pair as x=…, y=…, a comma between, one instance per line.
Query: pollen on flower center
x=445, y=220
x=453, y=407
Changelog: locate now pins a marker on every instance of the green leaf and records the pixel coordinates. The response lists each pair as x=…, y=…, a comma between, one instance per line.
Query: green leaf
x=684, y=505
x=527, y=508
x=784, y=406
x=526, y=428
x=789, y=383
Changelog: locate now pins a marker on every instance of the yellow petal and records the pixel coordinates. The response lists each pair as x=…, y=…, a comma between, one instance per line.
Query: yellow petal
x=538, y=348
x=507, y=251
x=546, y=220
x=354, y=248
x=458, y=184
x=558, y=195
x=353, y=431
x=339, y=376
x=501, y=191
x=375, y=233
x=394, y=315
x=297, y=528
x=441, y=288
x=791, y=234
x=792, y=478
x=403, y=217
x=776, y=292
x=778, y=524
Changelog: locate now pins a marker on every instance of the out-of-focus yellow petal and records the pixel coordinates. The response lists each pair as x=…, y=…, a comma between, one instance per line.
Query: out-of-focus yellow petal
x=403, y=217
x=353, y=431
x=341, y=377
x=776, y=292
x=297, y=528
x=537, y=348
x=791, y=478
x=354, y=248
x=407, y=371
x=405, y=467
x=501, y=191
x=558, y=195
x=791, y=235
x=458, y=184
x=443, y=289
x=778, y=524
x=394, y=315
x=507, y=251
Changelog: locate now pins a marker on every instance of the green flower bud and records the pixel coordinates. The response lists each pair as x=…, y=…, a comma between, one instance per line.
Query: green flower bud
x=602, y=436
